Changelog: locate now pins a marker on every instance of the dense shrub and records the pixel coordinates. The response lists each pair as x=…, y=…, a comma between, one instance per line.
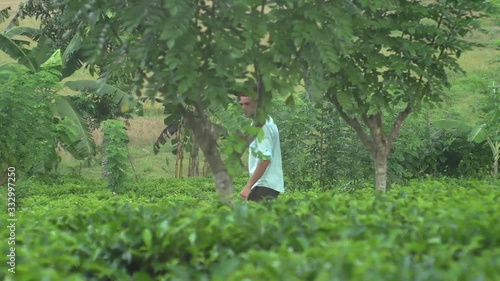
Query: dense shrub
x=424, y=150
x=115, y=153
x=318, y=148
x=98, y=108
x=427, y=230
x=26, y=117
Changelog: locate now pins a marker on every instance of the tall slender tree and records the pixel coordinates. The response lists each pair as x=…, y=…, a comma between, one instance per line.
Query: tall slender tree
x=397, y=58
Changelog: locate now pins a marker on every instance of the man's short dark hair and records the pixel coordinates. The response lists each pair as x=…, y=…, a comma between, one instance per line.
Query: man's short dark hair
x=255, y=89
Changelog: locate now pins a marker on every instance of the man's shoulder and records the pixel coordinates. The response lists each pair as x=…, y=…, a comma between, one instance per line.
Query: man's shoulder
x=269, y=121
x=270, y=126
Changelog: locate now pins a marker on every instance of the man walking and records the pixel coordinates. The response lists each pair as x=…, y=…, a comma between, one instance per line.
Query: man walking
x=264, y=160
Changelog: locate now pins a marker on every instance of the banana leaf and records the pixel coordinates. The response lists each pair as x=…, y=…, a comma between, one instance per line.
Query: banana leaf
x=119, y=97
x=84, y=147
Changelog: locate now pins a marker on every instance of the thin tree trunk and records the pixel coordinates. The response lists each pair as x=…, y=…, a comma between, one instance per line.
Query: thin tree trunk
x=223, y=181
x=190, y=164
x=180, y=155
x=197, y=163
x=377, y=144
x=104, y=161
x=194, y=162
x=495, y=149
x=205, y=168
x=495, y=168
x=380, y=161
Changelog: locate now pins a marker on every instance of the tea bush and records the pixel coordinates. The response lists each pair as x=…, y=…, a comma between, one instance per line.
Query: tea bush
x=175, y=230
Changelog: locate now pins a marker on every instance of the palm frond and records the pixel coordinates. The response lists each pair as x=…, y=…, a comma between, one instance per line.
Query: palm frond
x=8, y=46
x=478, y=134
x=84, y=146
x=73, y=46
x=72, y=56
x=30, y=32
x=119, y=97
x=4, y=14
x=169, y=132
x=72, y=64
x=223, y=119
x=41, y=52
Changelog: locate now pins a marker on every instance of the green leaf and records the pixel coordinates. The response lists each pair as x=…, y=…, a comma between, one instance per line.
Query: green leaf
x=8, y=46
x=70, y=58
x=86, y=147
x=120, y=97
x=43, y=50
x=54, y=61
x=7, y=69
x=32, y=33
x=147, y=237
x=478, y=134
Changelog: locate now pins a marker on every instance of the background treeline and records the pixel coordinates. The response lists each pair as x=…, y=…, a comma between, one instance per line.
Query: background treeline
x=43, y=81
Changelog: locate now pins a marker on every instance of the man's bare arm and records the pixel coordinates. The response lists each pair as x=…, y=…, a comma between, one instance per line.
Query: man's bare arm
x=259, y=171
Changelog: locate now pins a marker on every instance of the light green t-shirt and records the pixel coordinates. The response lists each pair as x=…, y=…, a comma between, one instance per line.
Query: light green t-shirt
x=267, y=148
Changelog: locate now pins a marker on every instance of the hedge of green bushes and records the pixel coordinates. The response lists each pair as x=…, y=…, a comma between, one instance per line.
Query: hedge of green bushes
x=176, y=230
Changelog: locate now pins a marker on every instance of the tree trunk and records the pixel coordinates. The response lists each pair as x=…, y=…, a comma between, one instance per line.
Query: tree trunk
x=495, y=168
x=205, y=168
x=223, y=181
x=194, y=162
x=180, y=154
x=104, y=161
x=377, y=144
x=495, y=149
x=205, y=134
x=380, y=162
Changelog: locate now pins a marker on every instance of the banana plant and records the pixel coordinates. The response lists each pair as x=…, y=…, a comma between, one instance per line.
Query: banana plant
x=44, y=57
x=488, y=130
x=125, y=101
x=15, y=42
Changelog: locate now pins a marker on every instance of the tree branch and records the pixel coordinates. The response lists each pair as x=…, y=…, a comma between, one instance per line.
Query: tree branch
x=368, y=120
x=354, y=123
x=374, y=122
x=396, y=127
x=361, y=106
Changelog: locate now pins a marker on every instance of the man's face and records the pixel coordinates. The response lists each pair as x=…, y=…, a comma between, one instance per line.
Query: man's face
x=248, y=106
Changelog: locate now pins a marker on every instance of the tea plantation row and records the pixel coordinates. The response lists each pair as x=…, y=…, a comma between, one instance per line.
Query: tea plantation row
x=176, y=230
